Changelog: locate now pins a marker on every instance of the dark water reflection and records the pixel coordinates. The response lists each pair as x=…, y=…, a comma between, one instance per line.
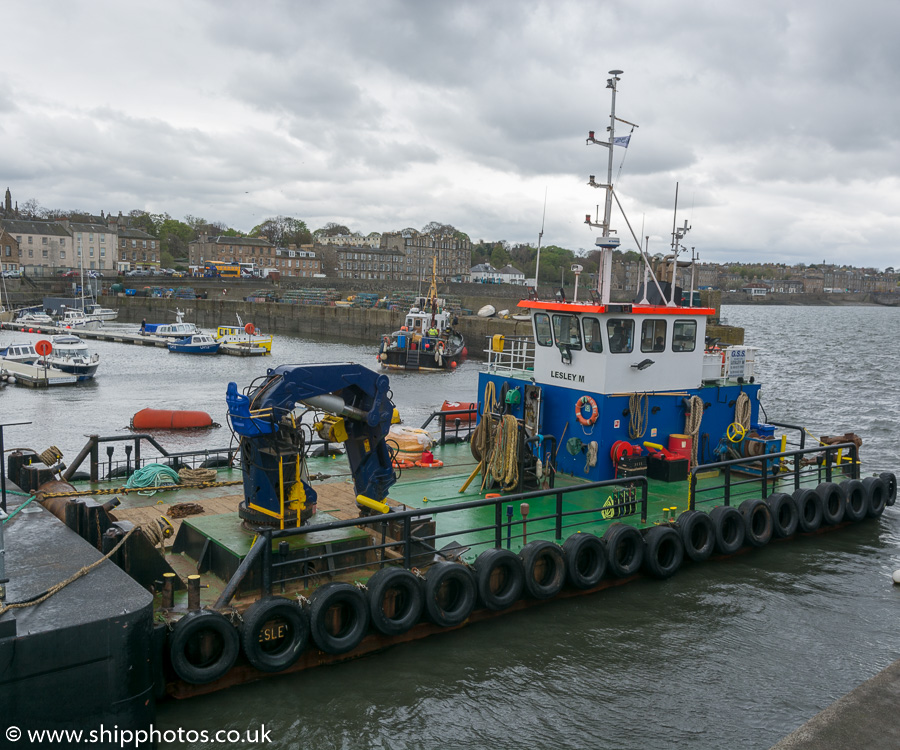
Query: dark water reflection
x=724, y=655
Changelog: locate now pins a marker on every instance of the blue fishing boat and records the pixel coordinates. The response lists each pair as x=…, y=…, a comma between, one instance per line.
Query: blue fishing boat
x=198, y=343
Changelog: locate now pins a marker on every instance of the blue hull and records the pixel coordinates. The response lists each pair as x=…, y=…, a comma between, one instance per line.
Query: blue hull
x=188, y=349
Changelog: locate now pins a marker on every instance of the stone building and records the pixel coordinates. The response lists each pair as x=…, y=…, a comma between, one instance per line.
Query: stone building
x=9, y=252
x=44, y=246
x=453, y=252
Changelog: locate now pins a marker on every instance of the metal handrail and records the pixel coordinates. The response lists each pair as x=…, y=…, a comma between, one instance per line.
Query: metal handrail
x=262, y=546
x=765, y=460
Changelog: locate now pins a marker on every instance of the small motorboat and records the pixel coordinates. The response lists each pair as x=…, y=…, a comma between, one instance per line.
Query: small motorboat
x=238, y=335
x=95, y=312
x=35, y=318
x=70, y=354
x=22, y=351
x=179, y=329
x=198, y=343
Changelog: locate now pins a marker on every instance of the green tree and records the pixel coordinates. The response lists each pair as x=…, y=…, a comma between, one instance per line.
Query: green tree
x=174, y=237
x=283, y=231
x=331, y=229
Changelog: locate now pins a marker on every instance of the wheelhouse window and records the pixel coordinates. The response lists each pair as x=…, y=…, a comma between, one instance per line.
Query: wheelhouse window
x=684, y=336
x=565, y=328
x=653, y=336
x=542, y=329
x=593, y=334
x=621, y=335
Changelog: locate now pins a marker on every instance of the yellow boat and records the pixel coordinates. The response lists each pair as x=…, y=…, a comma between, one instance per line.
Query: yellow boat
x=238, y=335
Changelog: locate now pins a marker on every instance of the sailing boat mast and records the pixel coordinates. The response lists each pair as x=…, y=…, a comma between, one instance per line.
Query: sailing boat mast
x=432, y=290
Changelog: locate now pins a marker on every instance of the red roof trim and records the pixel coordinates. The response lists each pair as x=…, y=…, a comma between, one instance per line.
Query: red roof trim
x=577, y=307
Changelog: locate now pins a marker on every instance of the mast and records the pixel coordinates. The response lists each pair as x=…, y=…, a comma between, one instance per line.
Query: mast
x=432, y=290
x=606, y=242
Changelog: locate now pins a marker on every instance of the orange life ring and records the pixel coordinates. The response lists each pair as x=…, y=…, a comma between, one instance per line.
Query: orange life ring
x=579, y=411
x=433, y=465
x=402, y=464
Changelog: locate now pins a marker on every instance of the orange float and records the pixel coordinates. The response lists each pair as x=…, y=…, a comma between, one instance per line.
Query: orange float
x=170, y=419
x=471, y=416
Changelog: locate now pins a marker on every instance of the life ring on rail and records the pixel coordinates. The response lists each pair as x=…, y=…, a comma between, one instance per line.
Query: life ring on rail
x=274, y=633
x=186, y=659
x=433, y=465
x=440, y=348
x=579, y=411
x=735, y=432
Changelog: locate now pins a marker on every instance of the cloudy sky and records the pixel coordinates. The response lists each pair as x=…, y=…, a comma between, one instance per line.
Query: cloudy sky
x=778, y=119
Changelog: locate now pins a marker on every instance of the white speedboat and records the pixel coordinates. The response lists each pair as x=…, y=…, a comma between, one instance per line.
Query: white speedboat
x=179, y=329
x=35, y=318
x=70, y=354
x=22, y=351
x=95, y=312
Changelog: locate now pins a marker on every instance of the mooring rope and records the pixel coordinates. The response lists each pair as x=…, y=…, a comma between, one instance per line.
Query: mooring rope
x=193, y=477
x=692, y=419
x=62, y=584
x=504, y=464
x=742, y=411
x=638, y=409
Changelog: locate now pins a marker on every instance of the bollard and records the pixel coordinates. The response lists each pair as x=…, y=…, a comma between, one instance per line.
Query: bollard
x=168, y=592
x=193, y=593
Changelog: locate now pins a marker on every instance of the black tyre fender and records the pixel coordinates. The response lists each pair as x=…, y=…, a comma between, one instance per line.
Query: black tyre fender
x=274, y=649
x=450, y=593
x=663, y=551
x=877, y=491
x=784, y=514
x=857, y=498
x=891, y=480
x=401, y=591
x=758, y=525
x=585, y=560
x=352, y=617
x=729, y=525
x=698, y=534
x=500, y=577
x=809, y=510
x=545, y=568
x=184, y=646
x=833, y=503
x=624, y=549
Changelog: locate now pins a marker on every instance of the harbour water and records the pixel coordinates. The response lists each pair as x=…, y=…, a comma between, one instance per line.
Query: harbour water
x=730, y=654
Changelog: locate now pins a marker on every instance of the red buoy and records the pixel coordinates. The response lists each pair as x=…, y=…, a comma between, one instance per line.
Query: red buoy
x=170, y=419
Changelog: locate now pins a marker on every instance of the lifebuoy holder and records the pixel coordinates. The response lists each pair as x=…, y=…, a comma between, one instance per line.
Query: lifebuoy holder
x=579, y=411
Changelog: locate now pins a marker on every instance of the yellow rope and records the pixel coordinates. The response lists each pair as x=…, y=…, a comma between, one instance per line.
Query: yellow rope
x=504, y=464
x=638, y=410
x=692, y=419
x=117, y=490
x=742, y=411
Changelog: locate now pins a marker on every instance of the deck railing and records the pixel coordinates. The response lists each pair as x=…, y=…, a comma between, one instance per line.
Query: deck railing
x=510, y=353
x=629, y=498
x=759, y=476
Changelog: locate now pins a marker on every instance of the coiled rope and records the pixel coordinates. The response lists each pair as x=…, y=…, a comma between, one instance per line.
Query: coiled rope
x=692, y=419
x=503, y=463
x=152, y=476
x=195, y=477
x=638, y=409
x=742, y=411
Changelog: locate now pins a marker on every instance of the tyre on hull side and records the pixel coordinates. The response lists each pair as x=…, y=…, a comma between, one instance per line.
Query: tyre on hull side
x=833, y=503
x=203, y=646
x=395, y=600
x=338, y=617
x=877, y=493
x=274, y=633
x=729, y=525
x=624, y=549
x=784, y=514
x=698, y=534
x=500, y=577
x=450, y=593
x=809, y=510
x=545, y=569
x=857, y=505
x=663, y=551
x=758, y=528
x=585, y=560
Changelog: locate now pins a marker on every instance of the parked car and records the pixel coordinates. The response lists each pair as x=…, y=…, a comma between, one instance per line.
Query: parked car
x=12, y=275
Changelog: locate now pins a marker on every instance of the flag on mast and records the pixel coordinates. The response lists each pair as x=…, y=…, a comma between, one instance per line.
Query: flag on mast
x=622, y=141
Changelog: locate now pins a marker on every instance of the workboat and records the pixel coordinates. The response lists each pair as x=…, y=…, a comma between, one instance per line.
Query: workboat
x=198, y=343
x=70, y=354
x=608, y=444
x=243, y=335
x=20, y=351
x=427, y=340
x=178, y=329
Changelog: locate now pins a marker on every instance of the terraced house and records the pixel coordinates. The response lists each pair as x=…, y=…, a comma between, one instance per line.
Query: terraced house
x=44, y=247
